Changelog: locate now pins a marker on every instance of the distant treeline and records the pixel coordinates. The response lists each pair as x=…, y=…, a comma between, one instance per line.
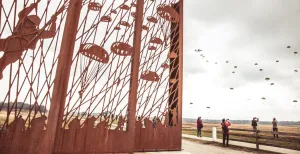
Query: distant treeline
x=24, y=106
x=283, y=123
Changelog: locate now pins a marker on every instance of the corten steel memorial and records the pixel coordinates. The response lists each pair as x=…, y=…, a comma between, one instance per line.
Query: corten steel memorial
x=98, y=76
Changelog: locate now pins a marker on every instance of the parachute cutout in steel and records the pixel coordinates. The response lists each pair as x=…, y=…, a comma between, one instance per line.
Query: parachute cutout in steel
x=168, y=13
x=95, y=6
x=150, y=76
x=152, y=19
x=122, y=49
x=94, y=52
x=86, y=76
x=156, y=40
x=105, y=19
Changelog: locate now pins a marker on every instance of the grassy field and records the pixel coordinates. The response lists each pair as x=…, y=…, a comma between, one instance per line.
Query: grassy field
x=3, y=115
x=209, y=126
x=190, y=128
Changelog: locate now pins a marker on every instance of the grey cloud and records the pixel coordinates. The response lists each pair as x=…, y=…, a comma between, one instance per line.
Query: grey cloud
x=258, y=32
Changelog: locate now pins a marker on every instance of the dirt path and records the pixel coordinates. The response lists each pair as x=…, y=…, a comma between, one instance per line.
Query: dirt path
x=195, y=148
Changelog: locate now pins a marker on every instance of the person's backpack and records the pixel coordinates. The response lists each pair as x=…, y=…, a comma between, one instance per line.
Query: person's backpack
x=225, y=128
x=201, y=125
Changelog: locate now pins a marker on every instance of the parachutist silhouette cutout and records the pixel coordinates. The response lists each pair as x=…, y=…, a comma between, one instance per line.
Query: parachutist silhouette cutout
x=74, y=124
x=166, y=122
x=174, y=117
x=103, y=123
x=121, y=123
x=39, y=123
x=158, y=124
x=25, y=36
x=18, y=124
x=89, y=122
x=148, y=123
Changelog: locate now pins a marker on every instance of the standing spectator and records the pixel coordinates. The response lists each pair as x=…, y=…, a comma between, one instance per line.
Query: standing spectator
x=225, y=130
x=275, y=128
x=254, y=124
x=199, y=127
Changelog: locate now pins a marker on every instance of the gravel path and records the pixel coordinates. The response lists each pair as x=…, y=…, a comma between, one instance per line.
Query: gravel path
x=195, y=148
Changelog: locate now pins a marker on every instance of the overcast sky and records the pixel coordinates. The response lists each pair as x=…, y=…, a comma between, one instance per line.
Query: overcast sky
x=243, y=33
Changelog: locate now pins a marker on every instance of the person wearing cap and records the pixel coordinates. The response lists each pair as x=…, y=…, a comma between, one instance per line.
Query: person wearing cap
x=254, y=125
x=25, y=36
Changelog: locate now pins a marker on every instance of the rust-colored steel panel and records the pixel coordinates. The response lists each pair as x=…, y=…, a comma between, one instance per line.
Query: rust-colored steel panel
x=30, y=32
x=100, y=100
x=159, y=108
x=89, y=76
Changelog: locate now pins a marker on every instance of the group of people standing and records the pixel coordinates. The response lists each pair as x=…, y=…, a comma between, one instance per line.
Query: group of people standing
x=274, y=123
x=225, y=128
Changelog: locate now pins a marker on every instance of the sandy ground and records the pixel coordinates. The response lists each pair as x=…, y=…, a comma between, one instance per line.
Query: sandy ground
x=195, y=148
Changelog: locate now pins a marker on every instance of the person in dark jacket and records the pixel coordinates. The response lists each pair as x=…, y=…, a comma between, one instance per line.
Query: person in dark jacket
x=199, y=127
x=275, y=128
x=225, y=130
x=254, y=124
